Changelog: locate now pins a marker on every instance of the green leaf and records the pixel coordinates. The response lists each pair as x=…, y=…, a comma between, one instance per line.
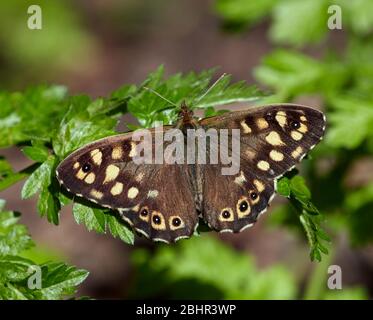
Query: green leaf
x=294, y=187
x=7, y=176
x=358, y=14
x=13, y=236
x=283, y=187
x=119, y=230
x=98, y=219
x=290, y=73
x=94, y=219
x=198, y=268
x=223, y=92
x=350, y=112
x=13, y=268
x=27, y=116
x=359, y=198
x=241, y=13
x=58, y=280
x=49, y=205
x=308, y=22
x=195, y=89
x=36, y=153
x=40, y=177
x=79, y=127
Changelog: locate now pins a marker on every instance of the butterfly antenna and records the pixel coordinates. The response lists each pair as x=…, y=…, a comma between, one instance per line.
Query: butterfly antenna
x=162, y=97
x=212, y=86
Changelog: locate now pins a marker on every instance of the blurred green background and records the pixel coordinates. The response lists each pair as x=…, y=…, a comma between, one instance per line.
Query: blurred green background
x=284, y=47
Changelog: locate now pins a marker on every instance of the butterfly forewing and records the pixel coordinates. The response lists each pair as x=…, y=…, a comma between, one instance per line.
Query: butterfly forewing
x=155, y=199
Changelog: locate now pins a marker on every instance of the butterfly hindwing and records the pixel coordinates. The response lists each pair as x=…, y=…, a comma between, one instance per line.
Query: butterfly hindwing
x=245, y=198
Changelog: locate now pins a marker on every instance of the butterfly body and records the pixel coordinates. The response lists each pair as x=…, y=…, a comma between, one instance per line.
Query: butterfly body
x=163, y=201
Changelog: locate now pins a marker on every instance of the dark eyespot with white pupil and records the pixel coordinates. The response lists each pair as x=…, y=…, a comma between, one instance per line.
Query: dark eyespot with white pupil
x=156, y=220
x=295, y=124
x=226, y=214
x=269, y=117
x=253, y=195
x=144, y=212
x=176, y=222
x=86, y=167
x=243, y=206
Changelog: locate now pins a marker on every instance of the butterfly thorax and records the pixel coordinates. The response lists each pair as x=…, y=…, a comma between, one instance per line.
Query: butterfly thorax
x=186, y=118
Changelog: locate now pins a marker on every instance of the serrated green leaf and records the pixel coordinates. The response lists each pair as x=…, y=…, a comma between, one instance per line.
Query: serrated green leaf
x=14, y=268
x=27, y=116
x=36, y=153
x=195, y=89
x=49, y=205
x=94, y=219
x=119, y=230
x=58, y=280
x=13, y=236
x=40, y=177
x=290, y=73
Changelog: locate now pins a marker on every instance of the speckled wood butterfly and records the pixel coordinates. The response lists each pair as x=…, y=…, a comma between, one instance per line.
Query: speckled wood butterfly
x=165, y=201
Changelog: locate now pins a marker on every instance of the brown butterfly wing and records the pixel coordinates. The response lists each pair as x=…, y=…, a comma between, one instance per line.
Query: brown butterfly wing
x=233, y=203
x=272, y=140
x=155, y=199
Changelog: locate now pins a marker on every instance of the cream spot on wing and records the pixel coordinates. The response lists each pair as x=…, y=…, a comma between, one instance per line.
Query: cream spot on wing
x=136, y=208
x=262, y=124
x=281, y=118
x=111, y=173
x=139, y=177
x=303, y=118
x=240, y=179
x=245, y=127
x=80, y=174
x=76, y=165
x=259, y=185
x=296, y=135
x=263, y=165
x=133, y=151
x=132, y=192
x=117, y=189
x=274, y=139
x=153, y=193
x=303, y=128
x=90, y=178
x=117, y=153
x=297, y=152
x=276, y=155
x=250, y=153
x=96, y=194
x=96, y=156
